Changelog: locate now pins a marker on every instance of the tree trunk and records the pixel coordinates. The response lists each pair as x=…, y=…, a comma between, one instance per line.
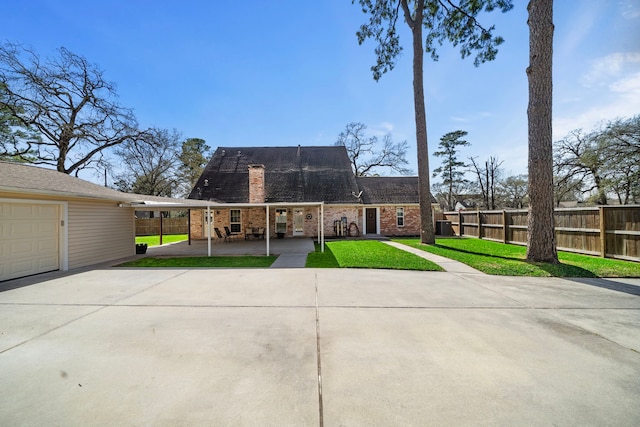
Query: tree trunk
x=541, y=241
x=427, y=234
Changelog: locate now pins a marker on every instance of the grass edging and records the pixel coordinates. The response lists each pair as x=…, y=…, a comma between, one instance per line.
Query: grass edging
x=202, y=261
x=367, y=254
x=509, y=260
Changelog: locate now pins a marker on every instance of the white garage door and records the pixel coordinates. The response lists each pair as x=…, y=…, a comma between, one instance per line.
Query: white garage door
x=28, y=239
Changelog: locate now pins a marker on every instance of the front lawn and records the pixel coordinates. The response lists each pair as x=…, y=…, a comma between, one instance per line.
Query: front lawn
x=214, y=261
x=509, y=260
x=374, y=254
x=166, y=238
x=320, y=259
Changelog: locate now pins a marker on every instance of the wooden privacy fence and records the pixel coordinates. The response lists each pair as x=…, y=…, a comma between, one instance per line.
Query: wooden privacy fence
x=151, y=226
x=606, y=231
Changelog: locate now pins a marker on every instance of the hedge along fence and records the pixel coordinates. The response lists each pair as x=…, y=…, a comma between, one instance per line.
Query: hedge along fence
x=606, y=231
x=151, y=226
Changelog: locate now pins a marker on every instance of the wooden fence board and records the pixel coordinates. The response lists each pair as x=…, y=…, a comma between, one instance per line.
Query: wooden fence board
x=151, y=226
x=611, y=231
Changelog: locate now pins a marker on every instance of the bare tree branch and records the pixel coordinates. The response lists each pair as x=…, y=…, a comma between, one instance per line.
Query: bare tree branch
x=70, y=105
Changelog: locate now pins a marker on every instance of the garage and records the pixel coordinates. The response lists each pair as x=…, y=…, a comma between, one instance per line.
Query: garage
x=29, y=238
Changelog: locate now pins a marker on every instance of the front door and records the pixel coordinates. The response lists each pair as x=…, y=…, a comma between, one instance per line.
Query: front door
x=371, y=221
x=298, y=222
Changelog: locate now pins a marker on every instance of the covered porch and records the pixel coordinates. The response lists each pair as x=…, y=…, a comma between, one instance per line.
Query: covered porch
x=303, y=245
x=265, y=246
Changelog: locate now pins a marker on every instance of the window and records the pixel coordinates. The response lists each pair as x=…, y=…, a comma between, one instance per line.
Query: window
x=281, y=221
x=235, y=220
x=400, y=217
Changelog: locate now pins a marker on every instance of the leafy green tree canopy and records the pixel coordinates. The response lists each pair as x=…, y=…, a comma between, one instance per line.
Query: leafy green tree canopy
x=452, y=170
x=442, y=20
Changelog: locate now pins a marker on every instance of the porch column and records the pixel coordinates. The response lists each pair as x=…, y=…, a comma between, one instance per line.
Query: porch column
x=208, y=222
x=266, y=229
x=322, y=227
x=318, y=225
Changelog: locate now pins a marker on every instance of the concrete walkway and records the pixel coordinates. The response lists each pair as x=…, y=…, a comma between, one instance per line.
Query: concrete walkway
x=447, y=264
x=318, y=347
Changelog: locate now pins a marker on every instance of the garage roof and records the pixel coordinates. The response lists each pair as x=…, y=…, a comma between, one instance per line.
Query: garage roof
x=29, y=179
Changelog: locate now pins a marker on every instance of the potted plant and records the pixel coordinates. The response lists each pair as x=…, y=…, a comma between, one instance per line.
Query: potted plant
x=141, y=248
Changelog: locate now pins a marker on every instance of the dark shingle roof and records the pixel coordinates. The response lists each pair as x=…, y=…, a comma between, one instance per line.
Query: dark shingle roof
x=379, y=190
x=292, y=174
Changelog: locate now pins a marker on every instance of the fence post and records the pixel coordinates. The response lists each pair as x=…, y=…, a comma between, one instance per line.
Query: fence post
x=479, y=225
x=603, y=232
x=460, y=222
x=504, y=227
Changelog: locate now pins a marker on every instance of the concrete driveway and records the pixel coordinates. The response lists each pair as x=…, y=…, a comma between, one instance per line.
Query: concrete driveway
x=305, y=347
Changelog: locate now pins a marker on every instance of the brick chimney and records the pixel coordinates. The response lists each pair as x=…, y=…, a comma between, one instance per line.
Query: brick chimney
x=256, y=184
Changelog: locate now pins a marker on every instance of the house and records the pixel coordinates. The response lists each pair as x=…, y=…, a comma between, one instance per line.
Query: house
x=53, y=221
x=298, y=191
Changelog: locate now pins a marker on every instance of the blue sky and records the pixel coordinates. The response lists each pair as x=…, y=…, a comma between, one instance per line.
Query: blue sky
x=285, y=72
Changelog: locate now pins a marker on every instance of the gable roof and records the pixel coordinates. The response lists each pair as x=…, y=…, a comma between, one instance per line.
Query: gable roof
x=292, y=174
x=29, y=179
x=389, y=189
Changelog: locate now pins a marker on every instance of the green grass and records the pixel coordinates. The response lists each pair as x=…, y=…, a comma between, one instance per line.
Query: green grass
x=214, y=261
x=319, y=259
x=509, y=260
x=374, y=254
x=166, y=238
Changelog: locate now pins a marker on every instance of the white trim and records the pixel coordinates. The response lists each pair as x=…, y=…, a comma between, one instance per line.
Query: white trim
x=209, y=223
x=63, y=226
x=293, y=222
x=267, y=229
x=322, y=227
x=404, y=218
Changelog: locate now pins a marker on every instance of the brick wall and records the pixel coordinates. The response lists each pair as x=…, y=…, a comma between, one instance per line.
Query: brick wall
x=256, y=184
x=255, y=217
x=389, y=225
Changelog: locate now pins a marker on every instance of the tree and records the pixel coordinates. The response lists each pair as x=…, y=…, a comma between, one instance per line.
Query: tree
x=622, y=138
x=70, y=105
x=602, y=163
x=443, y=21
x=451, y=170
x=12, y=132
x=582, y=157
x=368, y=156
x=488, y=180
x=150, y=163
x=541, y=238
x=566, y=189
x=514, y=191
x=192, y=159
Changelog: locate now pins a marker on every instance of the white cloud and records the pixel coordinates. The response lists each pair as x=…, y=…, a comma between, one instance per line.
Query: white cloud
x=628, y=86
x=380, y=129
x=614, y=92
x=630, y=9
x=603, y=69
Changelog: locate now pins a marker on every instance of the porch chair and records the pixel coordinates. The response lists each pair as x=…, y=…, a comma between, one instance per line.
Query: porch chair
x=229, y=234
x=219, y=234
